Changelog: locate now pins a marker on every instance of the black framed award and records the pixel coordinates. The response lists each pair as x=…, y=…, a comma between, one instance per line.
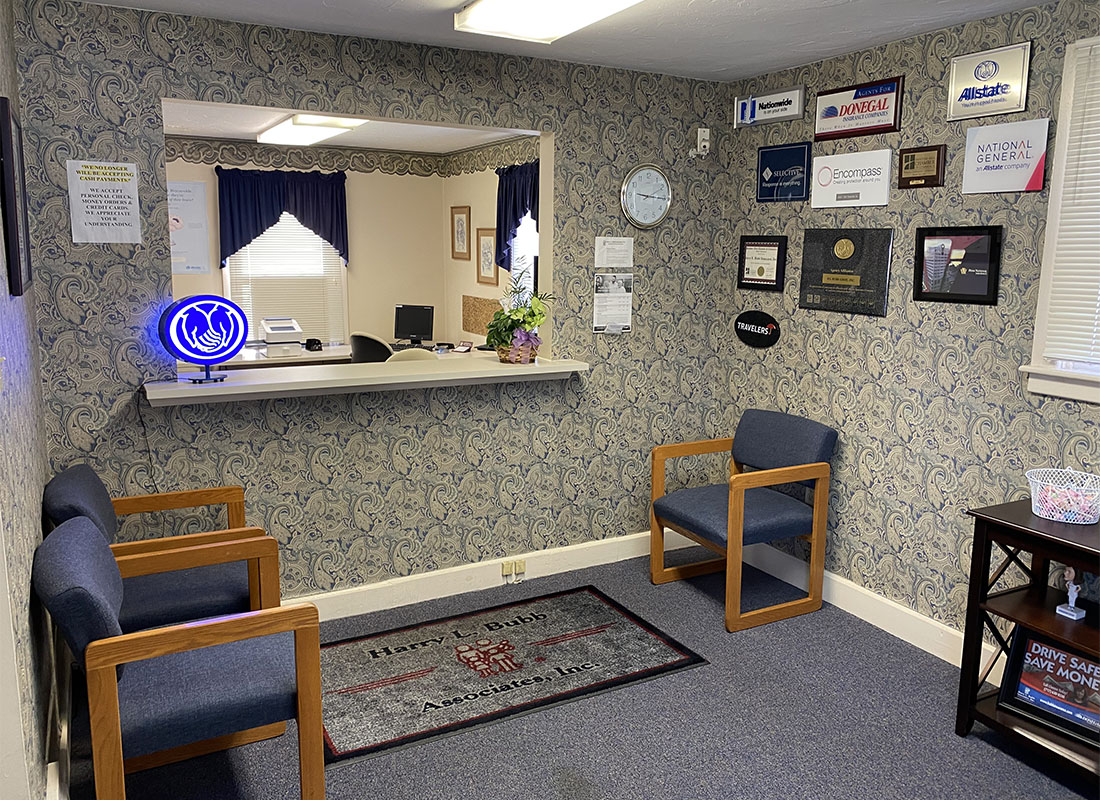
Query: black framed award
x=958, y=265
x=762, y=263
x=846, y=270
x=921, y=167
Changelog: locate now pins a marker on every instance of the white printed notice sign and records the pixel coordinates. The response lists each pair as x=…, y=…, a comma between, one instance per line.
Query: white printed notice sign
x=103, y=202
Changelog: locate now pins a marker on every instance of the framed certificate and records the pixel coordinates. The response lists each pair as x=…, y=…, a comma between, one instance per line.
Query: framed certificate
x=762, y=263
x=921, y=167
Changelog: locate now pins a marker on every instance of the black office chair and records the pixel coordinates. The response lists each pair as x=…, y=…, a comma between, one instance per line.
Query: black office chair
x=366, y=347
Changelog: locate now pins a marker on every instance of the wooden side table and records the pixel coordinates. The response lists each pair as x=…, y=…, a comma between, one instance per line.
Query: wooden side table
x=1014, y=529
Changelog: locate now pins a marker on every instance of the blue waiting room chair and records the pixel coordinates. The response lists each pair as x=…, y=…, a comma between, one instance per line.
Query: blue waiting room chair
x=224, y=580
x=164, y=695
x=747, y=509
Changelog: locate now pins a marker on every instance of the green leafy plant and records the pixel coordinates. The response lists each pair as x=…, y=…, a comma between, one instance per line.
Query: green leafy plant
x=517, y=322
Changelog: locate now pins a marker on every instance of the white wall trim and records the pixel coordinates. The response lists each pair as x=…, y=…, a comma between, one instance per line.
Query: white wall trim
x=928, y=634
x=924, y=632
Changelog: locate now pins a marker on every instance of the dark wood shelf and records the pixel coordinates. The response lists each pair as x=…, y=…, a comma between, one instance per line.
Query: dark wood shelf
x=1083, y=756
x=1034, y=608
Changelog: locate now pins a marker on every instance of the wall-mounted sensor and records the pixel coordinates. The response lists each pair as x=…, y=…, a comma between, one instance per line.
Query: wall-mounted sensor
x=702, y=143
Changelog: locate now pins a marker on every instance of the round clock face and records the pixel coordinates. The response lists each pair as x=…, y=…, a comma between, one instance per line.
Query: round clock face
x=646, y=196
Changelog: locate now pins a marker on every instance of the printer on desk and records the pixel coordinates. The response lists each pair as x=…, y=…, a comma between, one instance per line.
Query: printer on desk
x=282, y=335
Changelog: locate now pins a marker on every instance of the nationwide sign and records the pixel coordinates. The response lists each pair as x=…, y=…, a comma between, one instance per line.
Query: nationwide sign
x=852, y=179
x=1005, y=158
x=782, y=172
x=777, y=106
x=988, y=83
x=859, y=110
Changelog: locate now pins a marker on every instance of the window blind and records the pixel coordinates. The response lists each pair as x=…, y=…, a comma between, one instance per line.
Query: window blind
x=289, y=271
x=1073, y=311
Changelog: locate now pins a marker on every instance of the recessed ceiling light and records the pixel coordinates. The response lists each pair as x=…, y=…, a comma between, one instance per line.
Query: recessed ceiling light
x=306, y=129
x=535, y=20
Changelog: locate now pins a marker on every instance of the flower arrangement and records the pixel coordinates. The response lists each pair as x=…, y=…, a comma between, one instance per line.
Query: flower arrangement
x=513, y=330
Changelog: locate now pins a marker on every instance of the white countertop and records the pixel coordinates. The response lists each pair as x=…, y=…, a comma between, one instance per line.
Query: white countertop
x=257, y=354
x=449, y=370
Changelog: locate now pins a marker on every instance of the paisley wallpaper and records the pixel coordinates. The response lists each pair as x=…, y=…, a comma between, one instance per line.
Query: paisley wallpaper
x=22, y=476
x=365, y=487
x=933, y=415
x=232, y=152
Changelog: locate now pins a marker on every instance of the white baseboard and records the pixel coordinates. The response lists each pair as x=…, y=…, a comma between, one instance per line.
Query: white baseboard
x=901, y=621
x=482, y=575
x=929, y=635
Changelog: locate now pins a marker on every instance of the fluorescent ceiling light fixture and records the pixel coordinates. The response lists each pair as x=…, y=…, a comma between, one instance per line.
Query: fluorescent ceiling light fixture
x=306, y=129
x=535, y=20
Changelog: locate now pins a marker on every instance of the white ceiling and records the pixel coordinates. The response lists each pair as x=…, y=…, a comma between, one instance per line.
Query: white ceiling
x=709, y=39
x=222, y=121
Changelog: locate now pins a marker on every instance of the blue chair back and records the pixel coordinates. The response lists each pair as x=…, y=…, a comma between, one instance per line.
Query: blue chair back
x=772, y=439
x=78, y=492
x=77, y=579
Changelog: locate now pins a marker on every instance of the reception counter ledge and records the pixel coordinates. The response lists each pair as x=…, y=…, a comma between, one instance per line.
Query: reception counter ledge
x=259, y=384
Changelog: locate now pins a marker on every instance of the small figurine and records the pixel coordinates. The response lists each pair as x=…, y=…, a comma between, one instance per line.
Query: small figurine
x=1070, y=609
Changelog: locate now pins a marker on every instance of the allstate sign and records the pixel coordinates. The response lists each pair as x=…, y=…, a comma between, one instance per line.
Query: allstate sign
x=203, y=329
x=988, y=83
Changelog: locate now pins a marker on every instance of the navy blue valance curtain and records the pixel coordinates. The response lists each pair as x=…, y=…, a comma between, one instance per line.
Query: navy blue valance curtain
x=251, y=200
x=517, y=194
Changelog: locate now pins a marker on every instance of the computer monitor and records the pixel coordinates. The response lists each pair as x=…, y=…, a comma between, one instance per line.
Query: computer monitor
x=413, y=323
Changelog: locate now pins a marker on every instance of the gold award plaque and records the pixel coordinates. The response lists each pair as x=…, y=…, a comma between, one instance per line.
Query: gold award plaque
x=844, y=249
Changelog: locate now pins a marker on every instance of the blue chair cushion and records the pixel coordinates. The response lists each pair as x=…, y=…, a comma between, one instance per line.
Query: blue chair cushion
x=772, y=439
x=76, y=578
x=199, y=694
x=166, y=598
x=78, y=492
x=769, y=515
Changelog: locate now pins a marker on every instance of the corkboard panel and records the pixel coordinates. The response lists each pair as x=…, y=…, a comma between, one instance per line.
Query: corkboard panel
x=476, y=313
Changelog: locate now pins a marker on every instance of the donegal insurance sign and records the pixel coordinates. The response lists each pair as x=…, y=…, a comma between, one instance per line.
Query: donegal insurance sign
x=988, y=83
x=859, y=110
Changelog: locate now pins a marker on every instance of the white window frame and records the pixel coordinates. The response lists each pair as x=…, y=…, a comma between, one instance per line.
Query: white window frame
x=1042, y=376
x=255, y=336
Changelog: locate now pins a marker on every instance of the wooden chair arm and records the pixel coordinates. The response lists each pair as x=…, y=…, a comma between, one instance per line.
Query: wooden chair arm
x=773, y=477
x=186, y=540
x=203, y=555
x=662, y=452
x=230, y=496
x=141, y=645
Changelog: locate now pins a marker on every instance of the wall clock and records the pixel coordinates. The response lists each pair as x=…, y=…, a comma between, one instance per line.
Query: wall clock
x=646, y=196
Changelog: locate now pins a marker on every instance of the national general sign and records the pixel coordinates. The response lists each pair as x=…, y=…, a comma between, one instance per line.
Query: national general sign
x=859, y=110
x=203, y=329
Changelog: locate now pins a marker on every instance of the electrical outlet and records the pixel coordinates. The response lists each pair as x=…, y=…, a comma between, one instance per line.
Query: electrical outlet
x=507, y=568
x=521, y=566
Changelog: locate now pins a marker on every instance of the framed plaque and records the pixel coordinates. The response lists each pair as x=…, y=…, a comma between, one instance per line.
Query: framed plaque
x=1052, y=683
x=15, y=242
x=846, y=269
x=860, y=110
x=958, y=265
x=782, y=172
x=988, y=83
x=921, y=167
x=762, y=263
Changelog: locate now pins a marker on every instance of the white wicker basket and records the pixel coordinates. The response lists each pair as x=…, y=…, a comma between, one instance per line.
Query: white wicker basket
x=1065, y=495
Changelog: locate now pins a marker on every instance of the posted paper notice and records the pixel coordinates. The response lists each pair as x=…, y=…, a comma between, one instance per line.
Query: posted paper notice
x=187, y=228
x=613, y=302
x=103, y=202
x=614, y=252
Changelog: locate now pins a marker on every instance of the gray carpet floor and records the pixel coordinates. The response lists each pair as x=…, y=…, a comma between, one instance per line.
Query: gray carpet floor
x=820, y=706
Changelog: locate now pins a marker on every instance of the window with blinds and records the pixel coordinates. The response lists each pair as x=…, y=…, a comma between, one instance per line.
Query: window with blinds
x=1067, y=336
x=289, y=271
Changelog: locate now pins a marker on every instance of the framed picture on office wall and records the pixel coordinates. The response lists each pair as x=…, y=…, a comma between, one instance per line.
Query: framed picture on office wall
x=762, y=263
x=486, y=257
x=460, y=232
x=958, y=265
x=14, y=230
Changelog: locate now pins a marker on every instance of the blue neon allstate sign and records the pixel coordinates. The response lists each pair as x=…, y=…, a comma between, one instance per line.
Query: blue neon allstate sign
x=203, y=329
